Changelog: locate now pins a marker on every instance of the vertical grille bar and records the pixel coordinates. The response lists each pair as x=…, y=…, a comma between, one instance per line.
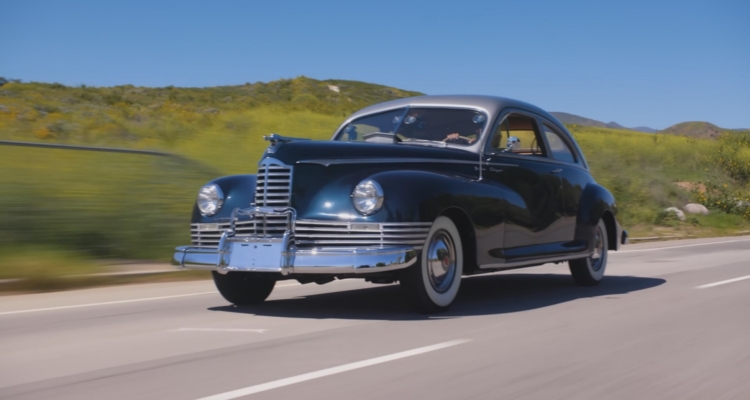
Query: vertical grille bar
x=273, y=189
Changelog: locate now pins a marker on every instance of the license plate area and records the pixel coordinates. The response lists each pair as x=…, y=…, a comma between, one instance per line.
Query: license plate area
x=253, y=256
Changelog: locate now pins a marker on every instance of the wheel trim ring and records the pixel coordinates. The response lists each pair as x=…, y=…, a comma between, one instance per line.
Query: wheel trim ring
x=597, y=259
x=441, y=273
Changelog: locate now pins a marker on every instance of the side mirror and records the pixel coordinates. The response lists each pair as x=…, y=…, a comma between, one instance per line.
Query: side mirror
x=513, y=143
x=351, y=132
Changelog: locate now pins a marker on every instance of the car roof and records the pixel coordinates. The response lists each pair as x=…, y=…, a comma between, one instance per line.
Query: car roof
x=491, y=104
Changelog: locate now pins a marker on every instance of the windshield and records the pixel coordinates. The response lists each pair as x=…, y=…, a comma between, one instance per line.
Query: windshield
x=417, y=125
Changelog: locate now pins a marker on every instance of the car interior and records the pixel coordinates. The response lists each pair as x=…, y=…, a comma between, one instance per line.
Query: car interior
x=517, y=134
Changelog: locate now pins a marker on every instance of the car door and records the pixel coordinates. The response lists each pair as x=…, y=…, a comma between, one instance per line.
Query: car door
x=574, y=178
x=534, y=201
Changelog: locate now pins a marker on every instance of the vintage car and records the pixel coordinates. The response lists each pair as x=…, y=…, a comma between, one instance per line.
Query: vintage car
x=420, y=191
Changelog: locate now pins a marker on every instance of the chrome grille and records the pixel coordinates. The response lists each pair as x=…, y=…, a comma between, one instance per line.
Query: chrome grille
x=274, y=186
x=208, y=235
x=310, y=233
x=313, y=233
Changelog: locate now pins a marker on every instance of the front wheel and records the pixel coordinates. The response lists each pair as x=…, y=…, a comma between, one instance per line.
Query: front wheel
x=243, y=288
x=590, y=271
x=432, y=283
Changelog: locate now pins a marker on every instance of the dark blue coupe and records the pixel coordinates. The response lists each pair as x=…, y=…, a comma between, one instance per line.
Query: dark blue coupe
x=420, y=191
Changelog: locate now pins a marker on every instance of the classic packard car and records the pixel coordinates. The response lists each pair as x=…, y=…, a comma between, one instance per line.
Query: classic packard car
x=420, y=191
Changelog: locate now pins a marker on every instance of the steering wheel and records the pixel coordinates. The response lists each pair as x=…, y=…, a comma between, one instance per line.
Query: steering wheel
x=458, y=139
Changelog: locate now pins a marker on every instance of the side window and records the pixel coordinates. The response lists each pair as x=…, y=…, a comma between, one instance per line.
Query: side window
x=560, y=150
x=517, y=134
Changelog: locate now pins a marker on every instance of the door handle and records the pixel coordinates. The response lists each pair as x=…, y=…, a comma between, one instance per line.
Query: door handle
x=555, y=171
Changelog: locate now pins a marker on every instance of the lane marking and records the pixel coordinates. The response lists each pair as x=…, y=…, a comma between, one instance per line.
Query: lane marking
x=218, y=330
x=710, y=285
x=677, y=247
x=106, y=303
x=331, y=371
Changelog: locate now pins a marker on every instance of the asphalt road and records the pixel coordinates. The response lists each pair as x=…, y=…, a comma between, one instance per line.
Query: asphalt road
x=671, y=321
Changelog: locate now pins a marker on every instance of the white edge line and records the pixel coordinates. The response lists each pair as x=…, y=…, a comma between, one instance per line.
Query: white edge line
x=219, y=330
x=118, y=302
x=710, y=285
x=105, y=303
x=331, y=371
x=677, y=247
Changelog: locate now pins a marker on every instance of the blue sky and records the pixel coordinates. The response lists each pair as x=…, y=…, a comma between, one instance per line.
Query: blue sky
x=635, y=62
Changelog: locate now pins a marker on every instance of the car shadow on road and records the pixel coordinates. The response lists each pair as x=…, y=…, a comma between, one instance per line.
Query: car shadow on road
x=480, y=295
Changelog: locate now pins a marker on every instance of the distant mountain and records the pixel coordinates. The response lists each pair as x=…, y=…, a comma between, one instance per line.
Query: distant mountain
x=644, y=129
x=615, y=125
x=698, y=129
x=572, y=119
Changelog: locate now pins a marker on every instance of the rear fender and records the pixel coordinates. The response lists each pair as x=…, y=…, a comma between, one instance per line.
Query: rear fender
x=597, y=203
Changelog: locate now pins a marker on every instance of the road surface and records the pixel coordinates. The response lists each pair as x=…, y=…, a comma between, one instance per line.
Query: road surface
x=670, y=321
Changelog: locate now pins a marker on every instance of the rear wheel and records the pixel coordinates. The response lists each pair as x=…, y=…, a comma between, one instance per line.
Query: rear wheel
x=432, y=283
x=590, y=271
x=243, y=288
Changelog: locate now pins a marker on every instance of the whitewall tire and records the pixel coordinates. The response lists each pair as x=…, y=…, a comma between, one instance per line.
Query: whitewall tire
x=589, y=271
x=433, y=282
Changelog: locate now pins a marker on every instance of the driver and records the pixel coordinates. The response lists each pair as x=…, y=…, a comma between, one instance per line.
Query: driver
x=457, y=137
x=478, y=123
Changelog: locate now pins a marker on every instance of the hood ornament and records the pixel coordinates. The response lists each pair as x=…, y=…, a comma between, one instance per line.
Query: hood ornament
x=275, y=138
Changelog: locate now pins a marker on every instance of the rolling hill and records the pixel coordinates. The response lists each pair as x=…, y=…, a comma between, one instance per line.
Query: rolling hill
x=572, y=119
x=697, y=129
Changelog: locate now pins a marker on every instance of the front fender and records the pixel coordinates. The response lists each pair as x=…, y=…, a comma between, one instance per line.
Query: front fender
x=422, y=196
x=238, y=190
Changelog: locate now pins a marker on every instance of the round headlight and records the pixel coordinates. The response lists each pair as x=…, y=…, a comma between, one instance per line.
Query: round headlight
x=367, y=197
x=210, y=199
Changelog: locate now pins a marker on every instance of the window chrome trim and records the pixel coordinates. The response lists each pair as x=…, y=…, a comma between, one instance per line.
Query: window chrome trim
x=473, y=148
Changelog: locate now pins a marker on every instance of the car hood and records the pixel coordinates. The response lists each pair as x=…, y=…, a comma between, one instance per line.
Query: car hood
x=325, y=152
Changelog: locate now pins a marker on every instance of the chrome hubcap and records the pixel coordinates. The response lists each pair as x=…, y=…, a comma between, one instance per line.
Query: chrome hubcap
x=596, y=258
x=441, y=261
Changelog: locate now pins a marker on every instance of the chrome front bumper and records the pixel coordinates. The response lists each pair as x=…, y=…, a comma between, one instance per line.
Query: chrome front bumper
x=318, y=261
x=263, y=253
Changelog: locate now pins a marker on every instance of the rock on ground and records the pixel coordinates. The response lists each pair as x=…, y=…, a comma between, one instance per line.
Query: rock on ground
x=694, y=208
x=680, y=215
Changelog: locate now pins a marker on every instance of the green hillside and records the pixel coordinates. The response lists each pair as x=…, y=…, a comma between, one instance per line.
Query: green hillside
x=219, y=126
x=58, y=205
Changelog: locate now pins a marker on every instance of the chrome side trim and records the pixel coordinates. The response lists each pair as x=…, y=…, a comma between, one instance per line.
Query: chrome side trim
x=514, y=264
x=329, y=162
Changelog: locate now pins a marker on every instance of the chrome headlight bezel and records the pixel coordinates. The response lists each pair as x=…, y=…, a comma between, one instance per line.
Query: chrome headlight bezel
x=367, y=197
x=210, y=199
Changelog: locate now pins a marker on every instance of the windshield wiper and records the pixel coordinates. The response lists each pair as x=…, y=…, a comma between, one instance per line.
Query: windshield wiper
x=425, y=142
